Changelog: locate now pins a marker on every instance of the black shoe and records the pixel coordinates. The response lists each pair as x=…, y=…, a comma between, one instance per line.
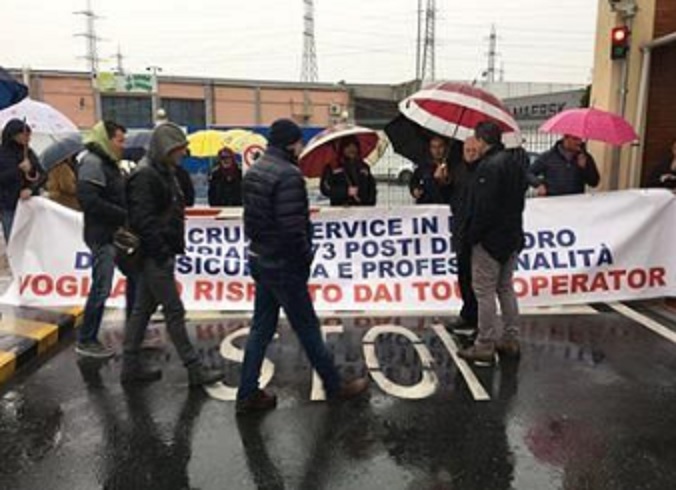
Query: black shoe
x=138, y=374
x=260, y=401
x=198, y=375
x=351, y=389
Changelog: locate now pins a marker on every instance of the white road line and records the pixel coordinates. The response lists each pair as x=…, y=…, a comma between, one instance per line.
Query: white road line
x=647, y=322
x=475, y=387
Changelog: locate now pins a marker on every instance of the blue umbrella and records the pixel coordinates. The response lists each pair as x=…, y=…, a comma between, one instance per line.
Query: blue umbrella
x=11, y=91
x=61, y=149
x=138, y=139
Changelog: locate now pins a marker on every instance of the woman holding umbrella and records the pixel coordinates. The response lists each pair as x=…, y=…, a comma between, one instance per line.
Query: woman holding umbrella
x=59, y=163
x=20, y=173
x=350, y=183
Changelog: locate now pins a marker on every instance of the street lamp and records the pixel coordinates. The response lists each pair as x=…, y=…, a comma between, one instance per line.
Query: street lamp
x=155, y=103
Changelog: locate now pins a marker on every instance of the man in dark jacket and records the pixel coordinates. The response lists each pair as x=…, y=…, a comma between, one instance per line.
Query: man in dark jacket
x=564, y=170
x=157, y=216
x=494, y=228
x=277, y=221
x=461, y=177
x=20, y=173
x=225, y=181
x=429, y=183
x=351, y=183
x=100, y=191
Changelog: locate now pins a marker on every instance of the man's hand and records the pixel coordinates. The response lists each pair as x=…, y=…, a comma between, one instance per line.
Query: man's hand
x=25, y=166
x=353, y=191
x=25, y=194
x=582, y=160
x=541, y=191
x=667, y=177
x=417, y=193
x=441, y=174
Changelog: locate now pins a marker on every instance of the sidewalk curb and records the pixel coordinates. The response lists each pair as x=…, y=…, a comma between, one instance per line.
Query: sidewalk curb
x=28, y=335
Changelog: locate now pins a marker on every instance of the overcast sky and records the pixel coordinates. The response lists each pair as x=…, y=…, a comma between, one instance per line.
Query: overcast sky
x=357, y=40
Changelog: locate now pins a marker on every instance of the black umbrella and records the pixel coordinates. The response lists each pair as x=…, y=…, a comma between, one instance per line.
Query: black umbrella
x=11, y=91
x=408, y=139
x=61, y=149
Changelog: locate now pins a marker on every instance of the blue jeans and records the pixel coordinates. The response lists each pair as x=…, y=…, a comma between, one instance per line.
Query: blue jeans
x=7, y=222
x=103, y=270
x=280, y=284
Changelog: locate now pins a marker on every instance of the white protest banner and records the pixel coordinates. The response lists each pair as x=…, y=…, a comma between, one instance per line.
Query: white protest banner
x=579, y=249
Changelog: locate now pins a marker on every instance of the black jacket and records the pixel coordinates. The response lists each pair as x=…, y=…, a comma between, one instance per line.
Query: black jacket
x=336, y=181
x=561, y=176
x=13, y=180
x=664, y=168
x=433, y=192
x=187, y=187
x=496, y=202
x=276, y=209
x=101, y=193
x=462, y=179
x=157, y=210
x=225, y=187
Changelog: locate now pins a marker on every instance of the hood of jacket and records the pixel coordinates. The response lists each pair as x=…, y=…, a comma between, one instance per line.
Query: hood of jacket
x=12, y=128
x=166, y=138
x=99, y=138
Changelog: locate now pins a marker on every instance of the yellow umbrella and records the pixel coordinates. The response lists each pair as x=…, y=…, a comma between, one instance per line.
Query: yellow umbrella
x=239, y=140
x=206, y=143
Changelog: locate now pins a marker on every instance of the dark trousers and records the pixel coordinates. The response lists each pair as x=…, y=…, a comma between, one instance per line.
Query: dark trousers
x=470, y=308
x=103, y=270
x=282, y=285
x=157, y=286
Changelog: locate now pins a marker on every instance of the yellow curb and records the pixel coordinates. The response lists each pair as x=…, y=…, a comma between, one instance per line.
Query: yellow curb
x=7, y=366
x=45, y=334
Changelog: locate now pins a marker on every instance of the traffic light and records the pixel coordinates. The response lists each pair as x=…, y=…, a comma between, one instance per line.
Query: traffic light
x=619, y=43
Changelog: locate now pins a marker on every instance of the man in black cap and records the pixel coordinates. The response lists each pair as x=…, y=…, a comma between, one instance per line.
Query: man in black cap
x=277, y=221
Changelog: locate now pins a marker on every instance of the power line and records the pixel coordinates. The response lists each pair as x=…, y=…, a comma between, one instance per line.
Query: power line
x=428, y=64
x=492, y=55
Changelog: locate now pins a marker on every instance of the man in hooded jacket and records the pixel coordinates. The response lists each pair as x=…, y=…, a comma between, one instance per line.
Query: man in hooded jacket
x=157, y=216
x=101, y=194
x=20, y=173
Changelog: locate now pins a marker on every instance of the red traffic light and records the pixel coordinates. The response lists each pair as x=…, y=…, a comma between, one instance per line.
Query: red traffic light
x=619, y=43
x=620, y=34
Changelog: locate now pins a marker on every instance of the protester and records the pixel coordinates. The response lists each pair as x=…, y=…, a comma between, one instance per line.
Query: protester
x=565, y=169
x=101, y=193
x=277, y=221
x=351, y=182
x=225, y=181
x=157, y=217
x=61, y=184
x=461, y=178
x=429, y=183
x=20, y=173
x=494, y=228
x=664, y=174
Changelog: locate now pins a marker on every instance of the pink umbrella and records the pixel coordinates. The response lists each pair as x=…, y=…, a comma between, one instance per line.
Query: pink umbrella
x=592, y=124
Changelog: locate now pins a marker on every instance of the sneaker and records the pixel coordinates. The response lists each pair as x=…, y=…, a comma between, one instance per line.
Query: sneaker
x=260, y=401
x=481, y=355
x=94, y=350
x=352, y=389
x=139, y=374
x=510, y=348
x=198, y=375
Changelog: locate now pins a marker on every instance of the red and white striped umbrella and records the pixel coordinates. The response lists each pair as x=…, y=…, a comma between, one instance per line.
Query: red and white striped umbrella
x=454, y=109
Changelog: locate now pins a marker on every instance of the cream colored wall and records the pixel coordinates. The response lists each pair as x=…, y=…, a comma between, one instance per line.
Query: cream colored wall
x=607, y=74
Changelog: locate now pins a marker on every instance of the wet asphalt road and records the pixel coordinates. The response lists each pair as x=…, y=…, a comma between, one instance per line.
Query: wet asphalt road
x=590, y=406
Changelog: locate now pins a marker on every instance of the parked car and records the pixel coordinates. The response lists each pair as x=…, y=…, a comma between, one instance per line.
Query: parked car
x=404, y=173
